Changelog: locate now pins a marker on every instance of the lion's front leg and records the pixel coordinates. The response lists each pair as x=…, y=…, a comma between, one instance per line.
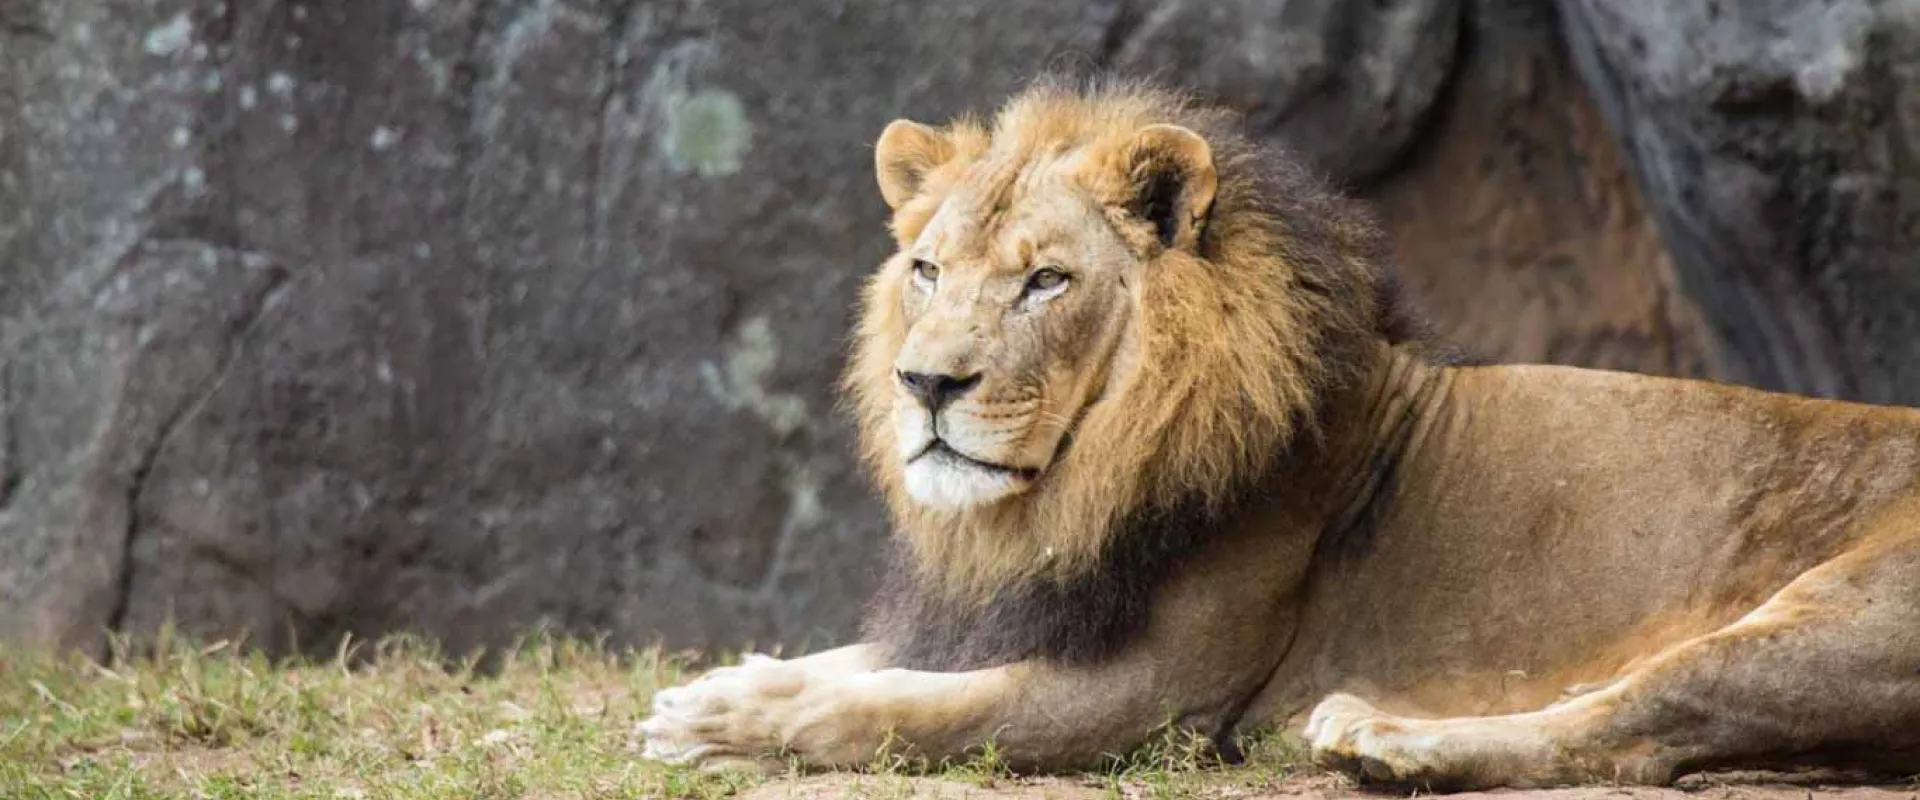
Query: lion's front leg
x=1038, y=716
x=1208, y=650
x=767, y=708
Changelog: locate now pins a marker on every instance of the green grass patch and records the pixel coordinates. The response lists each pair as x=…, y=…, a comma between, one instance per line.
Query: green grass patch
x=551, y=718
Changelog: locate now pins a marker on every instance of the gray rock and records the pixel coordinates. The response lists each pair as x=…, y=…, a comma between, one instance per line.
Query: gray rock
x=1777, y=142
x=1345, y=85
x=456, y=316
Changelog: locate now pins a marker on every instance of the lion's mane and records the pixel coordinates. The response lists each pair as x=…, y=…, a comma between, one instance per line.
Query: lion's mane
x=1238, y=344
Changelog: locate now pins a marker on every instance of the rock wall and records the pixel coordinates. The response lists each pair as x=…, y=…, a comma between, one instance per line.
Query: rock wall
x=1780, y=142
x=461, y=316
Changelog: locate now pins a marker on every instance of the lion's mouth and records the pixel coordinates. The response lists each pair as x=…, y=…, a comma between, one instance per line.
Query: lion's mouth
x=939, y=449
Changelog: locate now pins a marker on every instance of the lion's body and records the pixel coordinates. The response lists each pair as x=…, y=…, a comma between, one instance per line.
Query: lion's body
x=1549, y=527
x=1206, y=472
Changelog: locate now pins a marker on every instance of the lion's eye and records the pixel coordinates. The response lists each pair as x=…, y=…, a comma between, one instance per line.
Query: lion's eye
x=1046, y=279
x=925, y=271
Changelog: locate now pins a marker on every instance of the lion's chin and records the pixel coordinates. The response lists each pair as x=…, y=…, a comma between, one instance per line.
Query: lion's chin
x=951, y=485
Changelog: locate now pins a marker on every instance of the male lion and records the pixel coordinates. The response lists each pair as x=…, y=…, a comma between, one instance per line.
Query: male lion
x=1161, y=445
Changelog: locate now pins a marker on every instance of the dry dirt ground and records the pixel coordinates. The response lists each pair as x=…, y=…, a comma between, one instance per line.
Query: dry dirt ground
x=1732, y=786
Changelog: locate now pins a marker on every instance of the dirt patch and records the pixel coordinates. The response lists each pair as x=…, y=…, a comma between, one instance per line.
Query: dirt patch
x=1731, y=786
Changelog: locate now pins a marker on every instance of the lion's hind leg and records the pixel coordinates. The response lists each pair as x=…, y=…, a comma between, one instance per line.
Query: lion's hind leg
x=1826, y=672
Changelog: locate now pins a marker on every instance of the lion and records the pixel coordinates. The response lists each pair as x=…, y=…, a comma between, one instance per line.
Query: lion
x=1163, y=444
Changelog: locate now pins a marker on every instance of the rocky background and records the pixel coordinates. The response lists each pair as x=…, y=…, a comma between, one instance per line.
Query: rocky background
x=462, y=316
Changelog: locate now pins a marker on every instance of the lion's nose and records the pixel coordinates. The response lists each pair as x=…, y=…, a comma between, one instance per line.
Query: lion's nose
x=935, y=390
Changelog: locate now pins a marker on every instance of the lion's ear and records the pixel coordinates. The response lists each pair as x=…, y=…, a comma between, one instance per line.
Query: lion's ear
x=906, y=152
x=1170, y=182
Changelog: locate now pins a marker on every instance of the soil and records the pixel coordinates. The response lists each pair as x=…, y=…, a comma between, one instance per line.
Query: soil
x=1320, y=786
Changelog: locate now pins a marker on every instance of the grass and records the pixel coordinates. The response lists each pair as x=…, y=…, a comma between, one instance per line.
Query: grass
x=553, y=718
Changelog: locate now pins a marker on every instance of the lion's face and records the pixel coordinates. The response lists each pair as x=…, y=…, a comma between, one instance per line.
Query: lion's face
x=1013, y=304
x=1103, y=309
x=1013, y=325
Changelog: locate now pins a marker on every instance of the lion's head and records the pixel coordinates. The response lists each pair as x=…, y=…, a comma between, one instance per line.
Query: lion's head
x=1103, y=302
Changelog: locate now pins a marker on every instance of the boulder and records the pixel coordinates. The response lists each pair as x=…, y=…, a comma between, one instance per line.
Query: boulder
x=1777, y=142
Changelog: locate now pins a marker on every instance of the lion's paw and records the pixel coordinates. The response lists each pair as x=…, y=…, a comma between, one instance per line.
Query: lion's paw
x=1349, y=735
x=759, y=712
x=728, y=714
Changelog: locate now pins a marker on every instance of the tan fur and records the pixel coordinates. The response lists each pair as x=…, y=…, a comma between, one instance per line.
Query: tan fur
x=1455, y=576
